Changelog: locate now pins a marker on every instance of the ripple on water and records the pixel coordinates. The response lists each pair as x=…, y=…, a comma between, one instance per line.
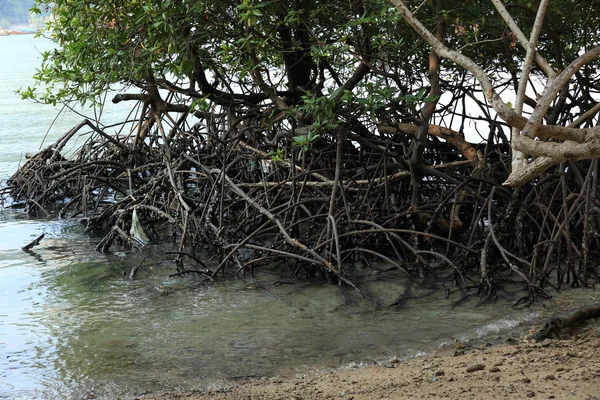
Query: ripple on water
x=73, y=321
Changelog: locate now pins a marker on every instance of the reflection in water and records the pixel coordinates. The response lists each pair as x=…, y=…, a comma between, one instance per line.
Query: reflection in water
x=73, y=322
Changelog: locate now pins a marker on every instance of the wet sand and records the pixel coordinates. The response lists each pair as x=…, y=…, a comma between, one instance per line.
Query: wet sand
x=567, y=367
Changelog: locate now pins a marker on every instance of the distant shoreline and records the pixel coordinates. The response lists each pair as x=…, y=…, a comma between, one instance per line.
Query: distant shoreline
x=9, y=33
x=19, y=30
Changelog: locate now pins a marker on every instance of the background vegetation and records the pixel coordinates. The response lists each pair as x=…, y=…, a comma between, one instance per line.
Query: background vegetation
x=15, y=12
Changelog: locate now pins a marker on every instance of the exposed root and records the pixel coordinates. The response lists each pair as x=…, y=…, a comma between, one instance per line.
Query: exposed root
x=241, y=190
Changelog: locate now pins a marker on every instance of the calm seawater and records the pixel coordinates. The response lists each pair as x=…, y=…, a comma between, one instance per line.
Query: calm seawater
x=25, y=125
x=22, y=124
x=73, y=325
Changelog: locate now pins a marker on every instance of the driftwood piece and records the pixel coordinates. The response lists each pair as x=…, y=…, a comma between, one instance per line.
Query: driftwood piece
x=34, y=242
x=552, y=327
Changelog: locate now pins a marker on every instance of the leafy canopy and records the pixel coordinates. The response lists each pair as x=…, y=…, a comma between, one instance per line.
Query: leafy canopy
x=295, y=47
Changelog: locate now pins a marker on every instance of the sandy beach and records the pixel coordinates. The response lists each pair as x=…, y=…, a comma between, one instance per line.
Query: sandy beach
x=566, y=367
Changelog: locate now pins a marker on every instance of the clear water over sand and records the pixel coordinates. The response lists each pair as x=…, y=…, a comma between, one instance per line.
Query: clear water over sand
x=73, y=323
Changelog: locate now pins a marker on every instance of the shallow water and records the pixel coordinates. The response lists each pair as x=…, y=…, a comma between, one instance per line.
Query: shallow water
x=72, y=322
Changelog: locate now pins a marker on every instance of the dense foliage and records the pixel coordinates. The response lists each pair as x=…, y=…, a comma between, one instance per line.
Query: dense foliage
x=288, y=127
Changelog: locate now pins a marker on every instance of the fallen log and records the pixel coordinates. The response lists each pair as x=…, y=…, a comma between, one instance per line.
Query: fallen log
x=552, y=326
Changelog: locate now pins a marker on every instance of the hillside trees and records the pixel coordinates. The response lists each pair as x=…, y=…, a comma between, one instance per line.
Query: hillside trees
x=15, y=12
x=311, y=130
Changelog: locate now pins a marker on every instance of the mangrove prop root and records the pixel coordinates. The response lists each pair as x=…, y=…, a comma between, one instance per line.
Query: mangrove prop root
x=552, y=326
x=243, y=190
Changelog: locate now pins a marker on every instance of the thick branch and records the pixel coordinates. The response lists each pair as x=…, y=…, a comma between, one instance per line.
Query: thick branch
x=457, y=139
x=519, y=159
x=541, y=62
x=219, y=96
x=553, y=88
x=505, y=112
x=558, y=151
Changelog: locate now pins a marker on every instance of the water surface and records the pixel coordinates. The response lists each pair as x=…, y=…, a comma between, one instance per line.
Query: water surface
x=25, y=126
x=73, y=322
